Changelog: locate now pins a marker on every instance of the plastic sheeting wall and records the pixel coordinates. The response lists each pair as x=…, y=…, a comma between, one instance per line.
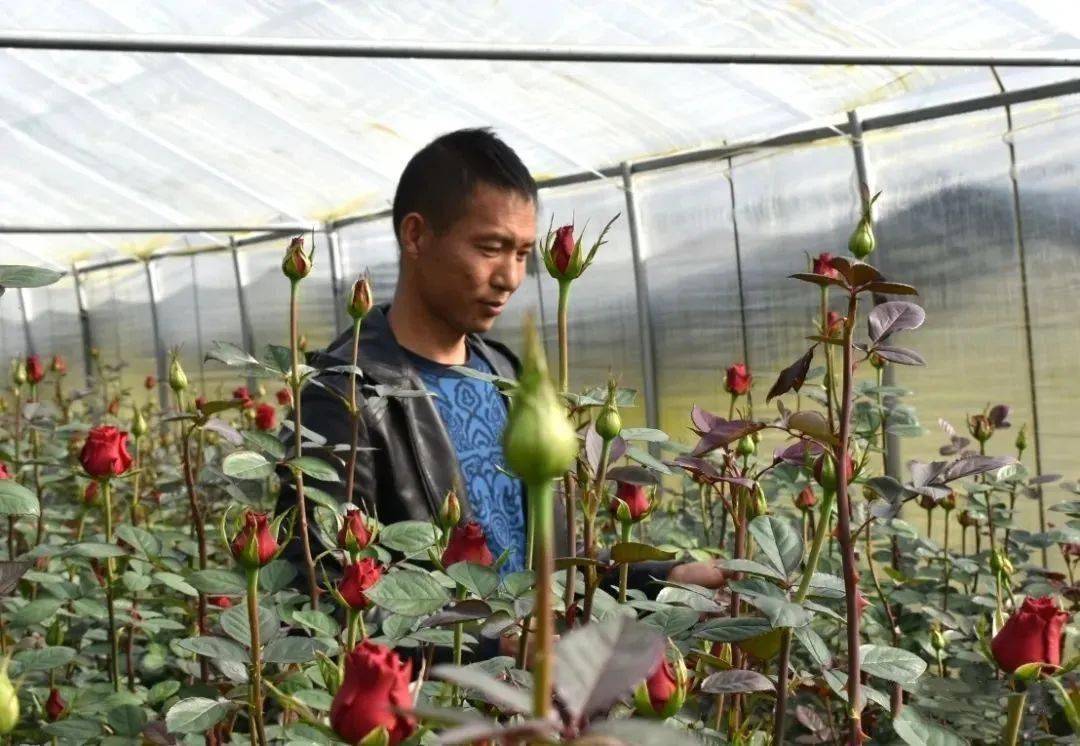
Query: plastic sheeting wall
x=946, y=223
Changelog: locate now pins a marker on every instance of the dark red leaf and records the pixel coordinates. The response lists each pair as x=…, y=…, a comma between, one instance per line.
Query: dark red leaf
x=900, y=355
x=855, y=272
x=893, y=316
x=999, y=416
x=723, y=434
x=791, y=377
x=891, y=288
x=816, y=279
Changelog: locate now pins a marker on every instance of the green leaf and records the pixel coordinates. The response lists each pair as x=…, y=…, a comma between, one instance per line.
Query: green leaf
x=409, y=592
x=781, y=544
x=127, y=720
x=36, y=612
x=162, y=691
x=408, y=537
x=919, y=730
x=43, y=659
x=142, y=541
x=235, y=623
x=631, y=551
x=645, y=459
x=290, y=650
x=892, y=664
x=319, y=497
x=23, y=276
x=648, y=434
x=230, y=354
x=316, y=699
x=814, y=645
x=16, y=499
x=97, y=550
x=218, y=648
x=318, y=621
x=76, y=730
x=315, y=468
x=176, y=582
x=265, y=442
x=781, y=613
x=246, y=465
x=478, y=580
x=135, y=582
x=195, y=715
x=276, y=576
x=218, y=582
x=733, y=630
x=751, y=567
x=736, y=680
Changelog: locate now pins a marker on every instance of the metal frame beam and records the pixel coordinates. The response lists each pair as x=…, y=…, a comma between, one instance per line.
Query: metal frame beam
x=247, y=333
x=84, y=326
x=159, y=345
x=26, y=322
x=644, y=311
x=337, y=277
x=371, y=49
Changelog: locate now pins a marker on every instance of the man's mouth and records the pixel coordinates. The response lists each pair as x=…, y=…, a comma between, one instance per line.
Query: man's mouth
x=495, y=307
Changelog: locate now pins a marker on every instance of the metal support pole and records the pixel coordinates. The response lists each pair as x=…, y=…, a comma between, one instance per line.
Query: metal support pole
x=1025, y=298
x=892, y=442
x=337, y=274
x=84, y=327
x=26, y=322
x=246, y=333
x=641, y=285
x=197, y=314
x=159, y=346
x=739, y=277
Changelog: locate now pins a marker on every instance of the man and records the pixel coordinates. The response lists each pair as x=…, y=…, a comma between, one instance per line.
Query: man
x=465, y=219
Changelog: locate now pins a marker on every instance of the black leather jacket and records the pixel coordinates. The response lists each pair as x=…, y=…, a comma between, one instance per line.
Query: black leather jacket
x=410, y=464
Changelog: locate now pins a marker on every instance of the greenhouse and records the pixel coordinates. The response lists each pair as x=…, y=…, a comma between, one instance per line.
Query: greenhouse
x=198, y=204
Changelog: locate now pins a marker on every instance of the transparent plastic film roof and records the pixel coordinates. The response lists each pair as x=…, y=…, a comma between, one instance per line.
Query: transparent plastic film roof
x=135, y=138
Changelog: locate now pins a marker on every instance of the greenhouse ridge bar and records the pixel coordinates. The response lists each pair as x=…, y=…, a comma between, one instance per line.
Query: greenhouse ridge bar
x=171, y=43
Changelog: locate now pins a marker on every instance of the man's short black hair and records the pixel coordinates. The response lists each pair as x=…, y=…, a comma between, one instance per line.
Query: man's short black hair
x=438, y=180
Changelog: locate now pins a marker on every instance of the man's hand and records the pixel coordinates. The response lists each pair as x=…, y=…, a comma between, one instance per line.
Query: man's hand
x=705, y=574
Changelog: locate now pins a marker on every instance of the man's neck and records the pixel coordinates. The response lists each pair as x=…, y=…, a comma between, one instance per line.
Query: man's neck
x=423, y=333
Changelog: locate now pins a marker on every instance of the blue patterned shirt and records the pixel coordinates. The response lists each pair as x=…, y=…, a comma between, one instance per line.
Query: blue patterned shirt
x=474, y=414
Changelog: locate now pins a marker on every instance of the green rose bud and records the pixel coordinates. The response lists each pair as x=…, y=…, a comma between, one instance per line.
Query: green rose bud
x=1021, y=439
x=178, y=380
x=18, y=373
x=297, y=265
x=937, y=640
x=862, y=241
x=138, y=424
x=608, y=422
x=746, y=446
x=1001, y=564
x=361, y=299
x=539, y=443
x=758, y=506
x=450, y=513
x=9, y=701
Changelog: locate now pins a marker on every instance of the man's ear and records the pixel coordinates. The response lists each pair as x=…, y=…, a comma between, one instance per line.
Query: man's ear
x=412, y=235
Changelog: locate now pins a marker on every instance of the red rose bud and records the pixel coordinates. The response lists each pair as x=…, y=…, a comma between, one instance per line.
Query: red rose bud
x=967, y=520
x=948, y=502
x=105, y=453
x=806, y=499
x=200, y=402
x=825, y=470
x=877, y=361
x=373, y=693
x=90, y=494
x=255, y=544
x=296, y=265
x=4, y=473
x=357, y=578
x=823, y=265
x=55, y=706
x=114, y=406
x=150, y=382
x=361, y=300
x=663, y=693
x=265, y=417
x=563, y=249
x=35, y=371
x=635, y=497
x=1031, y=635
x=927, y=503
x=284, y=397
x=59, y=365
x=222, y=602
x=468, y=544
x=1071, y=550
x=354, y=534
x=737, y=380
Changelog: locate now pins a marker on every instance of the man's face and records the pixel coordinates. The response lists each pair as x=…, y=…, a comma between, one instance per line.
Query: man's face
x=466, y=273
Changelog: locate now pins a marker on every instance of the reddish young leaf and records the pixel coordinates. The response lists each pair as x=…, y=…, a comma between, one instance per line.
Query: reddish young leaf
x=792, y=377
x=891, y=288
x=816, y=279
x=893, y=316
x=900, y=355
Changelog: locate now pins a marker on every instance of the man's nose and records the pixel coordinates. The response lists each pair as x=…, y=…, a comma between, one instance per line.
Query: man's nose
x=508, y=274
